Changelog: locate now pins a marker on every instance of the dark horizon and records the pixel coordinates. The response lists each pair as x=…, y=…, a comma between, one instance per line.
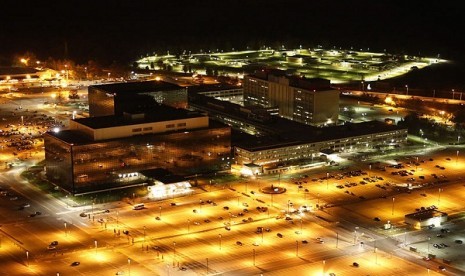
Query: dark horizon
x=122, y=31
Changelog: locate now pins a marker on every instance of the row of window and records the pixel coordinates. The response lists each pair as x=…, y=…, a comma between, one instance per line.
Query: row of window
x=173, y=125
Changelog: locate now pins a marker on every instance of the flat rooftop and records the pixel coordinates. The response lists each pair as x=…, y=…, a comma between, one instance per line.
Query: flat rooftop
x=137, y=87
x=281, y=131
x=77, y=138
x=162, y=175
x=289, y=133
x=272, y=75
x=160, y=113
x=211, y=87
x=426, y=214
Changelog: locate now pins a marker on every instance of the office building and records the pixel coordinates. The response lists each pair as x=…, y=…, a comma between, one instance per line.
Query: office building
x=308, y=101
x=108, y=152
x=117, y=98
x=276, y=143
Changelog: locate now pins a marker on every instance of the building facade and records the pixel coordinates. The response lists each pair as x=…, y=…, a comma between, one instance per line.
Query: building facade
x=308, y=101
x=117, y=98
x=276, y=152
x=109, y=152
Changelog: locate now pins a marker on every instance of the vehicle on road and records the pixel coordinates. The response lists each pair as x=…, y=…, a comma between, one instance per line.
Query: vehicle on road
x=138, y=206
x=279, y=235
x=75, y=263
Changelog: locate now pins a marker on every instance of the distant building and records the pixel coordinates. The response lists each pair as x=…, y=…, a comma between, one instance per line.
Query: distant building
x=109, y=152
x=25, y=75
x=218, y=90
x=271, y=142
x=163, y=184
x=308, y=101
x=426, y=218
x=117, y=98
x=303, y=146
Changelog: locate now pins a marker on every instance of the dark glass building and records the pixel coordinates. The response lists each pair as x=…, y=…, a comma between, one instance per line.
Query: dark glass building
x=109, y=152
x=117, y=98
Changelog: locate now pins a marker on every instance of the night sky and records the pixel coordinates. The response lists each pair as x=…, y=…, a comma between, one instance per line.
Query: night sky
x=122, y=31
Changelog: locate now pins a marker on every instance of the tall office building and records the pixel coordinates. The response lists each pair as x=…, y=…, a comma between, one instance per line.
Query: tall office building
x=308, y=101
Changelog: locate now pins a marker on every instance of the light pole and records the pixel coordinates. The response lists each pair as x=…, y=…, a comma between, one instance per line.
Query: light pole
x=27, y=258
x=406, y=86
x=376, y=255
x=174, y=253
x=457, y=158
x=439, y=195
x=327, y=180
x=369, y=170
x=159, y=211
x=458, y=139
x=95, y=242
x=129, y=267
x=66, y=232
x=429, y=238
x=393, y=199
x=253, y=257
x=219, y=236
x=200, y=205
x=144, y=236
x=297, y=248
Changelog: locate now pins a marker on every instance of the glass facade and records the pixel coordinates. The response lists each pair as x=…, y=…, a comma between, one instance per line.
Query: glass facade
x=110, y=163
x=104, y=103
